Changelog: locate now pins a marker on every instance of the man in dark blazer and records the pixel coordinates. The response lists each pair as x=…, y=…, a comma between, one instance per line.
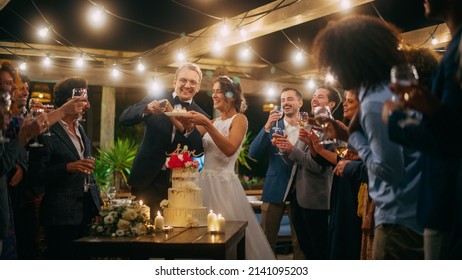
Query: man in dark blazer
x=149, y=178
x=278, y=173
x=60, y=167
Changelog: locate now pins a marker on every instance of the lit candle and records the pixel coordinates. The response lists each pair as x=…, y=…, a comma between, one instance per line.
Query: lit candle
x=211, y=221
x=220, y=223
x=159, y=221
x=141, y=202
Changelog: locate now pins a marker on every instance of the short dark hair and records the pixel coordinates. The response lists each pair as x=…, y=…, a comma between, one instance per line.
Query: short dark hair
x=297, y=92
x=334, y=95
x=63, y=89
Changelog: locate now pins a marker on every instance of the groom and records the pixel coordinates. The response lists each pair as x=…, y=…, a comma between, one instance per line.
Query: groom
x=149, y=178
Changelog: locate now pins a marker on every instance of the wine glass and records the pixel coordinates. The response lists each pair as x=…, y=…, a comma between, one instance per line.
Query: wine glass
x=35, y=108
x=48, y=109
x=340, y=147
x=76, y=93
x=303, y=118
x=279, y=131
x=87, y=178
x=111, y=193
x=277, y=110
x=319, y=113
x=404, y=77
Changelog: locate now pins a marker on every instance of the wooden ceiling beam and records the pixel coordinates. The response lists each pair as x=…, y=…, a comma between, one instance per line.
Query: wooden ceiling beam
x=201, y=42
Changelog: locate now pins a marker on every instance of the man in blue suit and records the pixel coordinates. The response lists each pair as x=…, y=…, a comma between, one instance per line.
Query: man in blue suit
x=149, y=178
x=278, y=173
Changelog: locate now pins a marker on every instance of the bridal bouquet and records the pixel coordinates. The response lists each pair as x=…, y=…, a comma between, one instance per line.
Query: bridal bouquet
x=124, y=220
x=182, y=158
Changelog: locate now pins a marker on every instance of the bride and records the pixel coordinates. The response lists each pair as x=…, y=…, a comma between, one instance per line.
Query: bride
x=222, y=140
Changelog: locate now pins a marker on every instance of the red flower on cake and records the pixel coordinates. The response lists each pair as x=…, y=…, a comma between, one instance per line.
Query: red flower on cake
x=181, y=158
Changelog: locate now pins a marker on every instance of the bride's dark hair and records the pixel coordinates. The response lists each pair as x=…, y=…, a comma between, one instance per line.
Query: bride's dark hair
x=232, y=89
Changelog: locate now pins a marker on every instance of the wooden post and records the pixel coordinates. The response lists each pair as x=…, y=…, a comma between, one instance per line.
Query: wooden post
x=108, y=102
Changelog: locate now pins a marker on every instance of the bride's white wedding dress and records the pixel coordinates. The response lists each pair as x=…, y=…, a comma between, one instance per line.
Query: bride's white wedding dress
x=223, y=193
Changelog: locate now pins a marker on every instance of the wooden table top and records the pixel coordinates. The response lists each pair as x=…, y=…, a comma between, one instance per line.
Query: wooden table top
x=176, y=243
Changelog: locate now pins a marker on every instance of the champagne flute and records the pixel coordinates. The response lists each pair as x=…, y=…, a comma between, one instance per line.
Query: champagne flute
x=277, y=110
x=76, y=93
x=48, y=109
x=404, y=77
x=35, y=108
x=278, y=130
x=87, y=178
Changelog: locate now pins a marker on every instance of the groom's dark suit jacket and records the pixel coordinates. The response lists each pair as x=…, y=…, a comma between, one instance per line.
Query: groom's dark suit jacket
x=148, y=168
x=64, y=199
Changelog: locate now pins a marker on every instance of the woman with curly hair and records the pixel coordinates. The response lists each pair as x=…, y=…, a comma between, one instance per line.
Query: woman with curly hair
x=359, y=52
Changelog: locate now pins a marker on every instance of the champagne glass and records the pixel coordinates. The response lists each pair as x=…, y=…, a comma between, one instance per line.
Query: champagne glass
x=303, y=118
x=319, y=113
x=277, y=110
x=111, y=193
x=35, y=108
x=340, y=147
x=278, y=130
x=48, y=109
x=87, y=178
x=76, y=93
x=404, y=77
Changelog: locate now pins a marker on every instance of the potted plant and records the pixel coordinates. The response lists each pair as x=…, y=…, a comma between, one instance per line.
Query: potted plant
x=243, y=157
x=113, y=164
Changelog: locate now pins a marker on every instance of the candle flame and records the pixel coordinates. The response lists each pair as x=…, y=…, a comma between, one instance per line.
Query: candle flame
x=158, y=213
x=141, y=202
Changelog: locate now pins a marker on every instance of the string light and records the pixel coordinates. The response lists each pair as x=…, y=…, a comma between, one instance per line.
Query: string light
x=96, y=16
x=140, y=66
x=345, y=4
x=224, y=30
x=98, y=13
x=271, y=92
x=217, y=48
x=434, y=39
x=23, y=66
x=47, y=61
x=244, y=54
x=115, y=72
x=330, y=78
x=180, y=56
x=79, y=62
x=311, y=84
x=43, y=32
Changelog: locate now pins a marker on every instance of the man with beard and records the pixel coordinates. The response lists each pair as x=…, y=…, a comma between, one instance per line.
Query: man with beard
x=278, y=173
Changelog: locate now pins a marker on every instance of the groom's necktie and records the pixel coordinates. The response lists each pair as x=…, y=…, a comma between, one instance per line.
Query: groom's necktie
x=177, y=100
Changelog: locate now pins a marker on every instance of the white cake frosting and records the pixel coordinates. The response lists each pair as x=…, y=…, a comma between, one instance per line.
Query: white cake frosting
x=185, y=200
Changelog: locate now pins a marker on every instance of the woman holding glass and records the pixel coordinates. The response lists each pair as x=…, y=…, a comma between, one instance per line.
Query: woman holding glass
x=61, y=167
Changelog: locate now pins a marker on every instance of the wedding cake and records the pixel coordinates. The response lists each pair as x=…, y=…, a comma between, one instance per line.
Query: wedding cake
x=184, y=205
